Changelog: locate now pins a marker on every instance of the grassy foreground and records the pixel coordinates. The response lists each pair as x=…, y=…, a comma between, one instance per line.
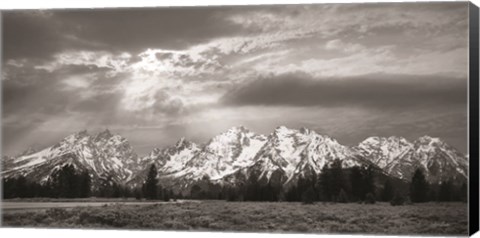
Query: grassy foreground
x=380, y=218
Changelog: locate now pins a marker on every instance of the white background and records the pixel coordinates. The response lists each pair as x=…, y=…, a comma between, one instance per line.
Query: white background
x=35, y=4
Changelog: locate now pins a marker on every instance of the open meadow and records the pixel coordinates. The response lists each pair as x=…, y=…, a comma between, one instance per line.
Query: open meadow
x=379, y=218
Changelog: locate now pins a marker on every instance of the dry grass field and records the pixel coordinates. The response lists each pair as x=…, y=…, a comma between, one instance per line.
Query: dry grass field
x=380, y=218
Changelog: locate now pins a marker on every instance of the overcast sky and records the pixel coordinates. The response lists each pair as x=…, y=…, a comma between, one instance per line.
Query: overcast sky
x=349, y=71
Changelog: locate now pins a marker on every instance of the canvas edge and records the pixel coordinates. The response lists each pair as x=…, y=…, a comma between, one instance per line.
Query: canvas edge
x=473, y=120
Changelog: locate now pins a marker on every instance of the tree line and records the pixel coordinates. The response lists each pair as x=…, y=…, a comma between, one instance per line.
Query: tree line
x=334, y=184
x=63, y=183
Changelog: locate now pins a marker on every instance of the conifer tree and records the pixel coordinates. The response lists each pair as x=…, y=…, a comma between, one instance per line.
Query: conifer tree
x=325, y=184
x=151, y=183
x=195, y=192
x=446, y=191
x=291, y=194
x=337, y=179
x=342, y=196
x=368, y=179
x=397, y=199
x=387, y=192
x=370, y=198
x=84, y=184
x=356, y=180
x=418, y=187
x=308, y=196
x=65, y=182
x=166, y=195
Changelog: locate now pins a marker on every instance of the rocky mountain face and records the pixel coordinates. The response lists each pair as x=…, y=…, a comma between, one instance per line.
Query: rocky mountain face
x=399, y=157
x=282, y=157
x=297, y=153
x=104, y=156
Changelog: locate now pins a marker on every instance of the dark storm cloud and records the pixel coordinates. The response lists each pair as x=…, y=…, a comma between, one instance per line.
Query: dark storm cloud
x=30, y=104
x=33, y=97
x=37, y=35
x=37, y=91
x=377, y=91
x=143, y=28
x=30, y=34
x=405, y=6
x=26, y=106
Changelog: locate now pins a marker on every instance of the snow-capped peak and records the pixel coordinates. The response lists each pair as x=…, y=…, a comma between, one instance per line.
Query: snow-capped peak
x=290, y=153
x=180, y=142
x=106, y=134
x=224, y=154
x=305, y=130
x=399, y=157
x=184, y=143
x=429, y=141
x=371, y=140
x=383, y=140
x=81, y=134
x=106, y=155
x=281, y=129
x=238, y=129
x=75, y=137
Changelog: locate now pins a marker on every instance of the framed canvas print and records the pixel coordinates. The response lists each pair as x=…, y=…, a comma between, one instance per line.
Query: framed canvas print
x=334, y=118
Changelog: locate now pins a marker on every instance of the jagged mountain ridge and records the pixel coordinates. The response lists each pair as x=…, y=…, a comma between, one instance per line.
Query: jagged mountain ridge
x=237, y=153
x=104, y=156
x=223, y=155
x=297, y=152
x=399, y=158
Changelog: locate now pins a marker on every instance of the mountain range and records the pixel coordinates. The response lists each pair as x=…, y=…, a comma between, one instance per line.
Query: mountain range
x=282, y=156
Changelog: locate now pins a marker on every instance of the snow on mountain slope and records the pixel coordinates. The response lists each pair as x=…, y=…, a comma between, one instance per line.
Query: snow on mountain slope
x=171, y=159
x=399, y=157
x=115, y=156
x=440, y=160
x=391, y=154
x=296, y=151
x=224, y=154
x=283, y=156
x=104, y=155
x=168, y=160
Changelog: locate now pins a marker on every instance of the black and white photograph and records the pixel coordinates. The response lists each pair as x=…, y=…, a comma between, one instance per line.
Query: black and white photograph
x=325, y=118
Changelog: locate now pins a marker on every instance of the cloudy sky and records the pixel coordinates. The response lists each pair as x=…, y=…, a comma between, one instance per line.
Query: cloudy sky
x=154, y=75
